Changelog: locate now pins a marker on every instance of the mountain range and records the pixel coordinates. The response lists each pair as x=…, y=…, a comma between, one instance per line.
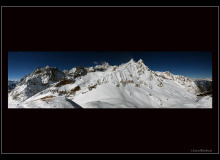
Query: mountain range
x=129, y=85
x=204, y=85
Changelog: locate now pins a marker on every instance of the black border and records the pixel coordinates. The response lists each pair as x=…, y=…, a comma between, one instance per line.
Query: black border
x=109, y=29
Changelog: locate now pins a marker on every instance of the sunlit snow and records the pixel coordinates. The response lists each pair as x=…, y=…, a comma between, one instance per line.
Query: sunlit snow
x=130, y=85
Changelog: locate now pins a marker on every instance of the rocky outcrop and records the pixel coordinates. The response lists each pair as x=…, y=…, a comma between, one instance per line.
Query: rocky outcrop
x=90, y=69
x=64, y=81
x=77, y=72
x=103, y=67
x=80, y=71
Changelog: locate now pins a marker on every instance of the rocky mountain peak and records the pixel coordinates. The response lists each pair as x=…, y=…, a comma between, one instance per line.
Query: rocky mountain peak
x=80, y=69
x=132, y=60
x=141, y=61
x=37, y=68
x=65, y=71
x=72, y=70
x=38, y=80
x=105, y=65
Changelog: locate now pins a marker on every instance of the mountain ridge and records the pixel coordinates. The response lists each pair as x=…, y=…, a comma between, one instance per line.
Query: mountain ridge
x=129, y=81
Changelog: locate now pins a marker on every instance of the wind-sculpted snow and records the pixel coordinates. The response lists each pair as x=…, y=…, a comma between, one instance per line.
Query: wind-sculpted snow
x=130, y=85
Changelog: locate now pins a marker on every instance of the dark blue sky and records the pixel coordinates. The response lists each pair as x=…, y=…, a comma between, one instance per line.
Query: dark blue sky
x=189, y=64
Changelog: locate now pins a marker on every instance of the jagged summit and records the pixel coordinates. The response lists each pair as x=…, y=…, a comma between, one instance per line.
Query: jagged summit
x=37, y=68
x=105, y=65
x=132, y=60
x=141, y=61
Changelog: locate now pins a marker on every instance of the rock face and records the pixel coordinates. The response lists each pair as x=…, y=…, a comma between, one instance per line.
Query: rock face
x=45, y=75
x=80, y=70
x=77, y=72
x=64, y=81
x=38, y=80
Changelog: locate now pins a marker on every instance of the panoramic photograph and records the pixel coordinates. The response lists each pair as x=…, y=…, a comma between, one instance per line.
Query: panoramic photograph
x=109, y=80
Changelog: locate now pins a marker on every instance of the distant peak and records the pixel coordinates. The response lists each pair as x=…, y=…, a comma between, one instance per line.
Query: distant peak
x=47, y=66
x=36, y=69
x=201, y=79
x=105, y=64
x=140, y=61
x=65, y=71
x=132, y=60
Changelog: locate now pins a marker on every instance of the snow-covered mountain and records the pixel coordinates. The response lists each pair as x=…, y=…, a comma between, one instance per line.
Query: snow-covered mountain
x=38, y=80
x=130, y=85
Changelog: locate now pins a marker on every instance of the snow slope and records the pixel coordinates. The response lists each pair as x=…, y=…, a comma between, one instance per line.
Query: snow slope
x=48, y=102
x=130, y=85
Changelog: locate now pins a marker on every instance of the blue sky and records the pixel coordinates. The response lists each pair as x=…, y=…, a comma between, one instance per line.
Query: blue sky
x=189, y=64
